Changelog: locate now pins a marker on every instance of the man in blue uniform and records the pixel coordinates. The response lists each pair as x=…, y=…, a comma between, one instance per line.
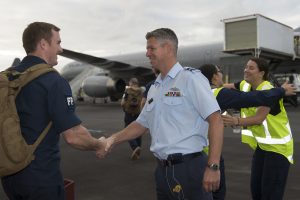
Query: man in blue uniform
x=179, y=105
x=47, y=98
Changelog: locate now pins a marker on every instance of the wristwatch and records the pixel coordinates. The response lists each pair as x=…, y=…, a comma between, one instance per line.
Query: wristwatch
x=213, y=166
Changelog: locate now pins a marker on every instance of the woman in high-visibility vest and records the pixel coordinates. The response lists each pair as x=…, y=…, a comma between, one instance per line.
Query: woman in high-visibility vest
x=268, y=132
x=231, y=98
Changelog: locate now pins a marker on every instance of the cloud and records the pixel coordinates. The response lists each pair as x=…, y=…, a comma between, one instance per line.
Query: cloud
x=111, y=27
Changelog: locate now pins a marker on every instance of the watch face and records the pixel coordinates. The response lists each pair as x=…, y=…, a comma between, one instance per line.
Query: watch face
x=214, y=166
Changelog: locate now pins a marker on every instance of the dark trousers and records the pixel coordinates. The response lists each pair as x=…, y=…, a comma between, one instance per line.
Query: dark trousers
x=137, y=142
x=182, y=181
x=221, y=192
x=22, y=192
x=269, y=174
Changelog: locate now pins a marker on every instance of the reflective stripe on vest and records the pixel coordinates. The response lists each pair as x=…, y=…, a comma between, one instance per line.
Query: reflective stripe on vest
x=247, y=135
x=283, y=131
x=247, y=132
x=268, y=139
x=246, y=86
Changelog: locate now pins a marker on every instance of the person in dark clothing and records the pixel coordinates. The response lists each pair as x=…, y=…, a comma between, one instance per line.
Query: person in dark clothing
x=130, y=116
x=46, y=98
x=147, y=87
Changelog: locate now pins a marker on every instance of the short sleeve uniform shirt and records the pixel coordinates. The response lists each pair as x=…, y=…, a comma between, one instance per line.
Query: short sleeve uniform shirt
x=176, y=110
x=47, y=98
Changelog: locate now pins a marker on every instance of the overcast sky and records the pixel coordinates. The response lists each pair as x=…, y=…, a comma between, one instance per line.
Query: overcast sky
x=102, y=27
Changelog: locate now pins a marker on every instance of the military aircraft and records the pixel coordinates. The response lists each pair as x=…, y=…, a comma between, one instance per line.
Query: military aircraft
x=117, y=70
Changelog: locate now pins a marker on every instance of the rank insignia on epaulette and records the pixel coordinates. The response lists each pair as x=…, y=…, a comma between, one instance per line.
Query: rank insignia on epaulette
x=191, y=69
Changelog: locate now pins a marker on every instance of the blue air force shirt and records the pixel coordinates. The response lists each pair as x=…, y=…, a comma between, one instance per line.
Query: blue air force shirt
x=47, y=98
x=176, y=110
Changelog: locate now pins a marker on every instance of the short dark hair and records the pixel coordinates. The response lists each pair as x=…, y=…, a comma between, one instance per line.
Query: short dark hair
x=208, y=70
x=134, y=81
x=262, y=65
x=164, y=34
x=35, y=32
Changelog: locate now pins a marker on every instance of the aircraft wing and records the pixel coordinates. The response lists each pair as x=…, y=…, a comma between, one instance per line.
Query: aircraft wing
x=115, y=68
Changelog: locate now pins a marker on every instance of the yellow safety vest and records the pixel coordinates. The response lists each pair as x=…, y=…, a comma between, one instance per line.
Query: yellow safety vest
x=274, y=134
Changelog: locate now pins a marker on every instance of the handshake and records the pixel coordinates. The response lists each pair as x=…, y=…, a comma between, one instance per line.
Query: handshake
x=104, y=146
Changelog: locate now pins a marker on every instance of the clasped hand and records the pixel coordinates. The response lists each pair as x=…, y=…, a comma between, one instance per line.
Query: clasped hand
x=229, y=120
x=106, y=146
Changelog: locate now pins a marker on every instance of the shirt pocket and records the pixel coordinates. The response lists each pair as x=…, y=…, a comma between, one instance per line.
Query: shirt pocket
x=173, y=101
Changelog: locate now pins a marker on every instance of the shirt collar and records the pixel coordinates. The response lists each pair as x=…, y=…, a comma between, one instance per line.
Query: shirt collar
x=172, y=73
x=29, y=61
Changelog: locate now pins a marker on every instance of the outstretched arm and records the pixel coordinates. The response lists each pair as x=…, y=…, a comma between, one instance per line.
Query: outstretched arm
x=257, y=119
x=132, y=131
x=229, y=85
x=230, y=98
x=80, y=138
x=290, y=89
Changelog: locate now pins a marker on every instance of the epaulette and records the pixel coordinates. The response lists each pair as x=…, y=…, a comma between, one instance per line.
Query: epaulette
x=191, y=69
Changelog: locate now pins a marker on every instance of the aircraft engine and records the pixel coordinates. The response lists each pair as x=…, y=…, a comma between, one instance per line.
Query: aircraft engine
x=103, y=86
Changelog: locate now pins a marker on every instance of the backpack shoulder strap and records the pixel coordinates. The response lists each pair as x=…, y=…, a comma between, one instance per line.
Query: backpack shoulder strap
x=27, y=76
x=43, y=134
x=32, y=73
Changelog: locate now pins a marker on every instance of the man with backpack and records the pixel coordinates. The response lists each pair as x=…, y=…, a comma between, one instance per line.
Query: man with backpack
x=46, y=101
x=130, y=103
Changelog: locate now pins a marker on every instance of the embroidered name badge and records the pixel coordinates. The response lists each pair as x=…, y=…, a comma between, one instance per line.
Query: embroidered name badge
x=70, y=102
x=173, y=92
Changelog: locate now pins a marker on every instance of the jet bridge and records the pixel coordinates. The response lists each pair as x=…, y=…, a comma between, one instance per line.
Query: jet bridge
x=259, y=36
